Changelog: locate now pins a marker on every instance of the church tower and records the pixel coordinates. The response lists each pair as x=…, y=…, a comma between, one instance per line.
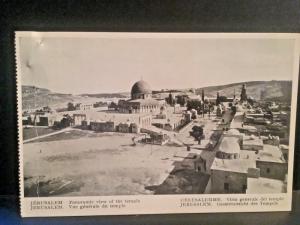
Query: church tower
x=243, y=93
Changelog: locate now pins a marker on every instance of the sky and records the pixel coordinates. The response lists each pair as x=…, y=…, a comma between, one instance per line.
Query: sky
x=106, y=64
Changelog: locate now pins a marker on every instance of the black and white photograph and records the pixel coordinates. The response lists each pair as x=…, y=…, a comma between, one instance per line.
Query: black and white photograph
x=134, y=114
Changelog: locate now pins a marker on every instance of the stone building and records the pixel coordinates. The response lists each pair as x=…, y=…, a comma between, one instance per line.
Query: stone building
x=46, y=119
x=231, y=167
x=134, y=128
x=26, y=120
x=85, y=125
x=78, y=118
x=272, y=163
x=102, y=126
x=155, y=138
x=84, y=106
x=123, y=127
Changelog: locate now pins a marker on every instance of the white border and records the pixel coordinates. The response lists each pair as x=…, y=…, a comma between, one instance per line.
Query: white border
x=158, y=204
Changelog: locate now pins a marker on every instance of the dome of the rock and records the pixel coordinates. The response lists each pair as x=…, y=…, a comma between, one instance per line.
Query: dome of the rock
x=140, y=89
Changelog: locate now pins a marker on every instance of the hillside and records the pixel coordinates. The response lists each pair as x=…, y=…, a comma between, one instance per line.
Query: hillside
x=34, y=97
x=107, y=95
x=267, y=90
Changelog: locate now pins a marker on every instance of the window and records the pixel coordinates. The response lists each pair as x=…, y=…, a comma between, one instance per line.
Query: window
x=268, y=170
x=244, y=188
x=226, y=186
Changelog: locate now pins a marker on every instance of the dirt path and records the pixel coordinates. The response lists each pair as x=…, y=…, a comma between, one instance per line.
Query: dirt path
x=47, y=135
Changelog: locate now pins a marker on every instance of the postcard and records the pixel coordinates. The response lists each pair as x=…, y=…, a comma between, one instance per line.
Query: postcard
x=155, y=123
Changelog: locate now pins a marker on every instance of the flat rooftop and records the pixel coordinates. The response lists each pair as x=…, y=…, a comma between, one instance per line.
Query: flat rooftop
x=240, y=165
x=263, y=185
x=252, y=140
x=270, y=153
x=106, y=115
x=171, y=119
x=248, y=128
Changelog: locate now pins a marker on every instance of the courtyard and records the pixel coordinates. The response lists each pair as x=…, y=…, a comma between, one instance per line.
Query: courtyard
x=77, y=163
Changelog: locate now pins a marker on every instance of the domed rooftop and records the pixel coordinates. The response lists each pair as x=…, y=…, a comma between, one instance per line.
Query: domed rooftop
x=140, y=87
x=229, y=145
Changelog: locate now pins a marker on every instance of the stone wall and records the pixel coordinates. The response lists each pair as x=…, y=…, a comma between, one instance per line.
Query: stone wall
x=228, y=182
x=272, y=170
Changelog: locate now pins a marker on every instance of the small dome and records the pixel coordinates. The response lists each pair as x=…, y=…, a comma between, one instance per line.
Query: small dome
x=229, y=145
x=141, y=87
x=233, y=132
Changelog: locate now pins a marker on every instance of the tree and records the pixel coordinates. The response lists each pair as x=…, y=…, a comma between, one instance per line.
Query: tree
x=66, y=121
x=250, y=100
x=197, y=133
x=71, y=106
x=194, y=116
x=233, y=110
x=202, y=95
x=218, y=99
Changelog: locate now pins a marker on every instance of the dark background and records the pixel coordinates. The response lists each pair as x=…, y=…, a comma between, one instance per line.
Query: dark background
x=129, y=16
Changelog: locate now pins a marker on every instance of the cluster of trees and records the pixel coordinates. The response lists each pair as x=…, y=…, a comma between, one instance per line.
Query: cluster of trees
x=66, y=121
x=206, y=107
x=180, y=99
x=71, y=107
x=194, y=104
x=100, y=104
x=170, y=100
x=113, y=105
x=44, y=109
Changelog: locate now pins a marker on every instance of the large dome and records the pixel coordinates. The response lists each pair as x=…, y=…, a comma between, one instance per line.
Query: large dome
x=140, y=87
